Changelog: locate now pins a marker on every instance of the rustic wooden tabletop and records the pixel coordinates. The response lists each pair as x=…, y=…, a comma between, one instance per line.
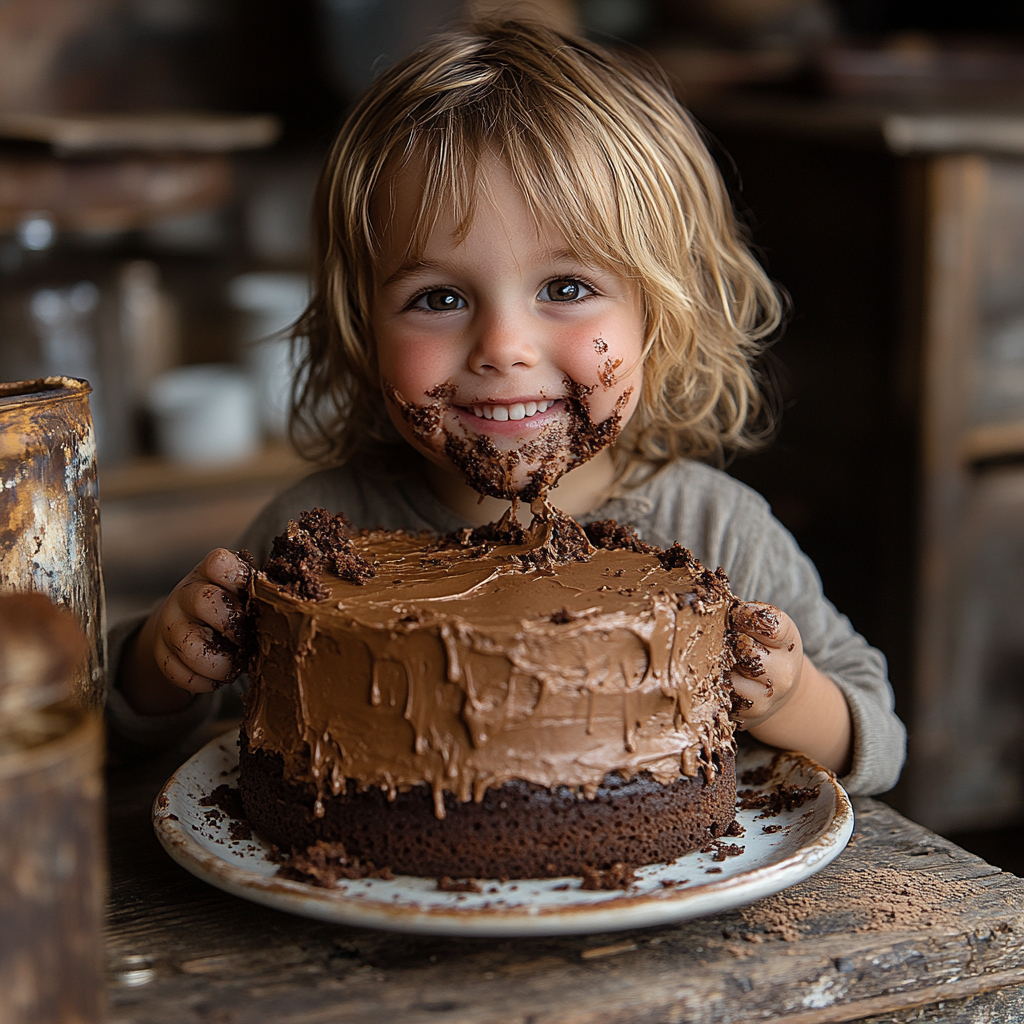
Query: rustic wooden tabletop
x=904, y=926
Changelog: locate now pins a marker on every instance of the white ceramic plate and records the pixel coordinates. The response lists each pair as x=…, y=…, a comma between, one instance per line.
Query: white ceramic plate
x=810, y=837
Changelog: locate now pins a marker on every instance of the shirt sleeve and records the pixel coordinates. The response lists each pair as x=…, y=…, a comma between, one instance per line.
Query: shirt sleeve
x=132, y=735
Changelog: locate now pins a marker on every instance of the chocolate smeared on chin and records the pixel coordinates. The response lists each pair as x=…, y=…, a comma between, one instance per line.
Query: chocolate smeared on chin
x=559, y=447
x=488, y=469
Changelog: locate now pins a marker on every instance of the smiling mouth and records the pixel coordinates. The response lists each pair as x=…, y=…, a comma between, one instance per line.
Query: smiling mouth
x=516, y=411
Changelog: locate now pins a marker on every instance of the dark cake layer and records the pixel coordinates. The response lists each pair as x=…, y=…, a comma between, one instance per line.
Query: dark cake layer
x=518, y=830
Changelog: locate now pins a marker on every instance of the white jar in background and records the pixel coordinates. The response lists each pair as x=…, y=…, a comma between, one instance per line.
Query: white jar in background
x=205, y=414
x=270, y=302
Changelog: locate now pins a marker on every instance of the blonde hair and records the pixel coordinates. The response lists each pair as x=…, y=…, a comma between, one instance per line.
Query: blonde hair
x=603, y=152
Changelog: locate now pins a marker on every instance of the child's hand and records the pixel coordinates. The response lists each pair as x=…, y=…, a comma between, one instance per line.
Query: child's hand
x=793, y=705
x=197, y=632
x=769, y=656
x=191, y=642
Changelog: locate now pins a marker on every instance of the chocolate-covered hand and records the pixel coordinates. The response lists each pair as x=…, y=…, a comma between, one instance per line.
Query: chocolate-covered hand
x=769, y=661
x=789, y=702
x=193, y=642
x=198, y=632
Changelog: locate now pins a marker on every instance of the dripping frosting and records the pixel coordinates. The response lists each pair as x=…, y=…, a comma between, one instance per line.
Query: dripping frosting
x=464, y=668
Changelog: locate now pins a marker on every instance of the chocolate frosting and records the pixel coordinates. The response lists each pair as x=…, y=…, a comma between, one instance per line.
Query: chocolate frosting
x=464, y=669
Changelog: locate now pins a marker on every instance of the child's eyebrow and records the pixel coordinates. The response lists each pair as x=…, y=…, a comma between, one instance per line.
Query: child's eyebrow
x=411, y=267
x=408, y=268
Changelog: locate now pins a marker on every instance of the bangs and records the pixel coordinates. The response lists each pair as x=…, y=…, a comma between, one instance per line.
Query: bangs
x=564, y=175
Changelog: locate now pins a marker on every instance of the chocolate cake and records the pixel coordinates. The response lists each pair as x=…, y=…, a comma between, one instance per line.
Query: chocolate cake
x=499, y=703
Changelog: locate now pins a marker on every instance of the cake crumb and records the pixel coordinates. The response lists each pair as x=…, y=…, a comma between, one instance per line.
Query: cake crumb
x=763, y=773
x=613, y=536
x=315, y=542
x=324, y=863
x=240, y=831
x=618, y=876
x=727, y=850
x=774, y=801
x=226, y=798
x=446, y=884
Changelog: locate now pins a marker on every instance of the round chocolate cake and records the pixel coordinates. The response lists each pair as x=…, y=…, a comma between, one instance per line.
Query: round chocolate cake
x=470, y=707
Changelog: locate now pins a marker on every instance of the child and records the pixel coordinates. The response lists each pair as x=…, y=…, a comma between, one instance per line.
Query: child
x=509, y=214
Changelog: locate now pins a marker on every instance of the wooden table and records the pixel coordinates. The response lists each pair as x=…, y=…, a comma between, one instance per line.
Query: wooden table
x=856, y=944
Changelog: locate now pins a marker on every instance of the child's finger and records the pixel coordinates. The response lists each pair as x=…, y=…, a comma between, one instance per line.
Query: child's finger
x=758, y=694
x=213, y=605
x=202, y=650
x=750, y=657
x=767, y=624
x=224, y=568
x=179, y=673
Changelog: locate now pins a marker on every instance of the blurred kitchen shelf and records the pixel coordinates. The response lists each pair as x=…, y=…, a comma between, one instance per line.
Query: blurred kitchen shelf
x=117, y=194
x=991, y=442
x=158, y=132
x=904, y=129
x=158, y=518
x=275, y=461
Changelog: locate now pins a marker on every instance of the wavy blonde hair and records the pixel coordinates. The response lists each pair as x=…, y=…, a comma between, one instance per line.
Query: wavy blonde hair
x=603, y=152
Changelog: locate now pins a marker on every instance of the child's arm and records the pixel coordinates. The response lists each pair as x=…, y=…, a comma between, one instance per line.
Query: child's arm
x=189, y=644
x=793, y=705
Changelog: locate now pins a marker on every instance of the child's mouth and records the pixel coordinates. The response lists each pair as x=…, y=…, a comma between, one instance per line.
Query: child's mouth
x=512, y=412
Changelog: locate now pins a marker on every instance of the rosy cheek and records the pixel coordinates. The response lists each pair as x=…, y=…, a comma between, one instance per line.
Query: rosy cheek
x=412, y=365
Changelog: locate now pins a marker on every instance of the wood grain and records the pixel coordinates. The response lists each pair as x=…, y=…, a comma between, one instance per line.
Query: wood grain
x=183, y=952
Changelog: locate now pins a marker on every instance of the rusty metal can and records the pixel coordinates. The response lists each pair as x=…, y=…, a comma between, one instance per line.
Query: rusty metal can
x=49, y=511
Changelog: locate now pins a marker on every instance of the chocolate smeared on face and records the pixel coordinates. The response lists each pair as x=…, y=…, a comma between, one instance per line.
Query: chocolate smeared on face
x=488, y=469
x=606, y=374
x=553, y=538
x=600, y=346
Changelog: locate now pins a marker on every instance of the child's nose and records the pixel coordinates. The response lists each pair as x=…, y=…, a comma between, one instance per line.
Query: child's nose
x=502, y=343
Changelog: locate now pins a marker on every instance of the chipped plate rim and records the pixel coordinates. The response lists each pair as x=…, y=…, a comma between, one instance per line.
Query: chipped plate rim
x=809, y=838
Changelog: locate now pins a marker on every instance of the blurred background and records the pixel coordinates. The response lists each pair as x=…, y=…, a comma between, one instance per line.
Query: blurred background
x=157, y=163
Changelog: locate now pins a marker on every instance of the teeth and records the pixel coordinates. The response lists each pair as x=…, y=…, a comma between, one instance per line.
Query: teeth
x=518, y=411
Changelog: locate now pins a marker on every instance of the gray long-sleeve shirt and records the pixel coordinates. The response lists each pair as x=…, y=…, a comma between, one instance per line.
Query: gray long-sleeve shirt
x=721, y=520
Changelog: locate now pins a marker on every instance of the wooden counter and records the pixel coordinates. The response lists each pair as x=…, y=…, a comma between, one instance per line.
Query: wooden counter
x=903, y=926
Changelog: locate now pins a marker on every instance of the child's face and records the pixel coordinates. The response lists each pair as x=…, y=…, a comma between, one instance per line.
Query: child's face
x=505, y=317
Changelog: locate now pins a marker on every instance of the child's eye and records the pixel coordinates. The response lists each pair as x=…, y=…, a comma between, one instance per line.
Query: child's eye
x=565, y=289
x=439, y=300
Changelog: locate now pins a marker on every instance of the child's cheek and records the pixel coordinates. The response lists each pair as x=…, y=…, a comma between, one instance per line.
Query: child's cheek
x=610, y=365
x=413, y=366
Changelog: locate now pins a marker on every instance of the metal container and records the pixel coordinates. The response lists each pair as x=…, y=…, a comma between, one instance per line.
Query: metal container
x=49, y=511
